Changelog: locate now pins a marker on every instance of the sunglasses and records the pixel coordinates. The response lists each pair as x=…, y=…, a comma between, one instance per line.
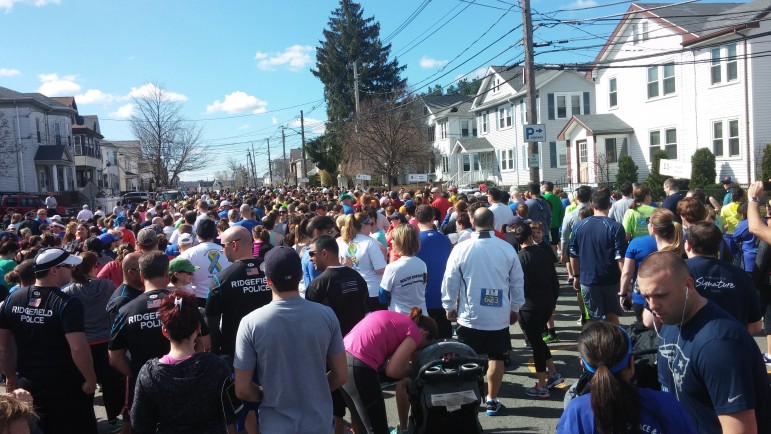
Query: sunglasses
x=65, y=266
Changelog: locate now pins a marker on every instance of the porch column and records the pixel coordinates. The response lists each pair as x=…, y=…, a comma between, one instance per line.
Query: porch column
x=65, y=176
x=54, y=178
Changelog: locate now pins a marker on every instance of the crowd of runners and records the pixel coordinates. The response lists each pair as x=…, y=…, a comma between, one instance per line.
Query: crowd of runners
x=284, y=310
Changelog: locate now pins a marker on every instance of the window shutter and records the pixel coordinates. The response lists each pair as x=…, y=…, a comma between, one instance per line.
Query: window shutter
x=553, y=154
x=550, y=103
x=587, y=110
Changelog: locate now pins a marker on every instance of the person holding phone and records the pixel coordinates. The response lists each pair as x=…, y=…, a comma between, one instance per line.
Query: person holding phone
x=183, y=391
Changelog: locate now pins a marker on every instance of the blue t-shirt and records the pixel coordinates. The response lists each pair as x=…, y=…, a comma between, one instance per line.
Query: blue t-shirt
x=659, y=413
x=728, y=286
x=714, y=367
x=309, y=270
x=347, y=209
x=599, y=242
x=639, y=249
x=434, y=250
x=540, y=210
x=748, y=242
x=248, y=224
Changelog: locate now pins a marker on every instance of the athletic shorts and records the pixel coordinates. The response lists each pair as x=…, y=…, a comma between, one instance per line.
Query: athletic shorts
x=554, y=236
x=494, y=343
x=600, y=300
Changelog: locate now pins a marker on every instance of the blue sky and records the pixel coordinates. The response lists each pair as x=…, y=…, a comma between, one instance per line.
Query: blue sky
x=241, y=67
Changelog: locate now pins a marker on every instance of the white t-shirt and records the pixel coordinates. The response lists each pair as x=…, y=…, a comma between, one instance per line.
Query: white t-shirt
x=502, y=215
x=406, y=280
x=211, y=259
x=366, y=256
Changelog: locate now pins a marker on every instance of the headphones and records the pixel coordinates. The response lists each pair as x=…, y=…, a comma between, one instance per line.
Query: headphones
x=686, y=293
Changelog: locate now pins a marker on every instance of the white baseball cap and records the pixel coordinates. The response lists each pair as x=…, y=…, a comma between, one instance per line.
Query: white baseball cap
x=53, y=257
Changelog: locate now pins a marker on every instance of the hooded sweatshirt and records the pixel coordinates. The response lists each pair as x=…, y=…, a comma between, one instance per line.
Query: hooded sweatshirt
x=185, y=397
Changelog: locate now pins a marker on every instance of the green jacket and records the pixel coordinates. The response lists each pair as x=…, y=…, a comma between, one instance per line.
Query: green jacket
x=557, y=211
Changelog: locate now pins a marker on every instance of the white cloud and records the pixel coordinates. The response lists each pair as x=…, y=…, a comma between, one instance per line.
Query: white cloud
x=295, y=58
x=274, y=120
x=244, y=127
x=431, y=63
x=238, y=102
x=312, y=125
x=124, y=112
x=53, y=85
x=96, y=96
x=149, y=89
x=8, y=4
x=580, y=4
x=8, y=72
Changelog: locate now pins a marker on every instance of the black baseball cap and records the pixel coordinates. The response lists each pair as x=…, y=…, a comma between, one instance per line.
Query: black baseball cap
x=282, y=264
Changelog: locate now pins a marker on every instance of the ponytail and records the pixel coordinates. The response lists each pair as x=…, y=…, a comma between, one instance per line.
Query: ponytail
x=352, y=224
x=425, y=322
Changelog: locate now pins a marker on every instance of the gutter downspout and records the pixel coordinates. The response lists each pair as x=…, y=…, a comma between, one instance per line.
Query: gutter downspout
x=19, y=152
x=750, y=157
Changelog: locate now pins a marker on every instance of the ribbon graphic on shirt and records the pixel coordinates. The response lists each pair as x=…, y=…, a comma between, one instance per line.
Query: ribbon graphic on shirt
x=214, y=261
x=352, y=250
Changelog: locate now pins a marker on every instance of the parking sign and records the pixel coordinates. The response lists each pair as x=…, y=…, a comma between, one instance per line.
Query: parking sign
x=535, y=133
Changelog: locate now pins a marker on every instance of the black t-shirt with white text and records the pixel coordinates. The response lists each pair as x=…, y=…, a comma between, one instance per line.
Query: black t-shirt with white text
x=345, y=291
x=235, y=292
x=39, y=318
x=138, y=329
x=119, y=298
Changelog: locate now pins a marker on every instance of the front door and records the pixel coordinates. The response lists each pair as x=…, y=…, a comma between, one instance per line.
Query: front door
x=583, y=162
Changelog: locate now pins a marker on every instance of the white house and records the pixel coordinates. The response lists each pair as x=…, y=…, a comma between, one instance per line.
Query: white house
x=39, y=130
x=500, y=107
x=448, y=119
x=679, y=77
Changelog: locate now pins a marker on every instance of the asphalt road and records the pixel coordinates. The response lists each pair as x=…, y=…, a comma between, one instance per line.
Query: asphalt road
x=520, y=413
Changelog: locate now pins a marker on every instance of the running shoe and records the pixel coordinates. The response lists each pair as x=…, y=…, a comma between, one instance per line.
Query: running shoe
x=551, y=338
x=554, y=380
x=114, y=426
x=538, y=392
x=492, y=407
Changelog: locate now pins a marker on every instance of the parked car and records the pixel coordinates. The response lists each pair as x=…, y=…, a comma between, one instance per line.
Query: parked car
x=23, y=203
x=137, y=197
x=167, y=195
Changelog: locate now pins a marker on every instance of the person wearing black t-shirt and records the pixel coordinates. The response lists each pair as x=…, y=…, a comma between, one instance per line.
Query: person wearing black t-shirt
x=129, y=289
x=236, y=291
x=52, y=355
x=137, y=328
x=344, y=291
x=339, y=287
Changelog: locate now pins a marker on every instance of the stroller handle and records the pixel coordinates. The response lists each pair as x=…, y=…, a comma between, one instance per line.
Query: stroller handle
x=453, y=363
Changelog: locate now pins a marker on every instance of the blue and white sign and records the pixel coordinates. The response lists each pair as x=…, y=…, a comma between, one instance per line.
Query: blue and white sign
x=535, y=133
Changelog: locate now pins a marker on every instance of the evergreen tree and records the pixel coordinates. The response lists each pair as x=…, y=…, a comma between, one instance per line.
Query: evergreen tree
x=349, y=38
x=655, y=179
x=703, y=171
x=627, y=171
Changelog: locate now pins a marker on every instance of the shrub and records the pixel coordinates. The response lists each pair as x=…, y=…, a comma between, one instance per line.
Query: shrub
x=703, y=171
x=627, y=171
x=655, y=179
x=765, y=165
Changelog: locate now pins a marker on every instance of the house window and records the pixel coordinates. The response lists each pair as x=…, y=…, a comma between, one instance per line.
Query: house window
x=58, y=133
x=655, y=142
x=613, y=92
x=717, y=138
x=610, y=150
x=503, y=161
x=721, y=56
x=562, y=154
x=568, y=105
x=719, y=129
x=37, y=128
x=476, y=161
x=497, y=85
x=644, y=31
x=445, y=164
x=511, y=159
x=733, y=138
x=667, y=71
x=583, y=155
x=504, y=117
x=671, y=143
x=464, y=127
x=466, y=162
x=484, y=122
x=431, y=132
x=443, y=130
x=635, y=35
x=487, y=160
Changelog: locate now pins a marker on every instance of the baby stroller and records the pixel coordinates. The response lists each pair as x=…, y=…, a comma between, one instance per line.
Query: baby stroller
x=446, y=393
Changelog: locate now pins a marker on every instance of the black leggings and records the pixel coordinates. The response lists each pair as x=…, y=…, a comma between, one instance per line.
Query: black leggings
x=364, y=397
x=532, y=323
x=111, y=380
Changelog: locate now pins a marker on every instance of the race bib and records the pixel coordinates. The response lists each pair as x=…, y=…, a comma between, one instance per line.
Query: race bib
x=491, y=297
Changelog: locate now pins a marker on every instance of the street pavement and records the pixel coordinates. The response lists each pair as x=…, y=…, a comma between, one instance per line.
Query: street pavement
x=520, y=413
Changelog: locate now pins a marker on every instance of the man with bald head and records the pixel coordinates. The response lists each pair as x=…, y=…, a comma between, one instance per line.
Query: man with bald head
x=129, y=289
x=235, y=291
x=706, y=357
x=247, y=218
x=485, y=274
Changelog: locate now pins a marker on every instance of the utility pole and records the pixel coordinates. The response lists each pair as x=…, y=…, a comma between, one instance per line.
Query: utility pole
x=302, y=136
x=250, y=165
x=254, y=166
x=283, y=145
x=529, y=71
x=270, y=164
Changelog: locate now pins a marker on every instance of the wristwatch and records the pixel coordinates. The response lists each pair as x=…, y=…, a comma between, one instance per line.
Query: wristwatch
x=754, y=199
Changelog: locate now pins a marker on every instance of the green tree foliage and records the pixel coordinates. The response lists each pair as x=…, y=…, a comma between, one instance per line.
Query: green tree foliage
x=627, y=171
x=655, y=179
x=324, y=151
x=765, y=165
x=703, y=171
x=464, y=87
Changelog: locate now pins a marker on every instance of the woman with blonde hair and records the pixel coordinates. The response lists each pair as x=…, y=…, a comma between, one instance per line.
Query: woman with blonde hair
x=362, y=253
x=404, y=281
x=664, y=233
x=70, y=239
